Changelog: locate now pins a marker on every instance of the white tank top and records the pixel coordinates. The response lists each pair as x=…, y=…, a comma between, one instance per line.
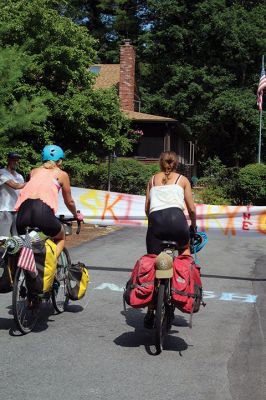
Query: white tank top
x=166, y=196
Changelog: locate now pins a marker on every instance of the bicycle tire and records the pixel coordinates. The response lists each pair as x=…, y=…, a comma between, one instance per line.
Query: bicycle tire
x=60, y=298
x=160, y=319
x=25, y=309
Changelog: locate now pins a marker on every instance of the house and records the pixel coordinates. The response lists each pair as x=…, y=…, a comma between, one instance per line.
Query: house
x=159, y=133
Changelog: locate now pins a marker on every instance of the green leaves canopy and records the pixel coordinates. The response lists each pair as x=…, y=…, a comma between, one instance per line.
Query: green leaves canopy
x=200, y=64
x=50, y=86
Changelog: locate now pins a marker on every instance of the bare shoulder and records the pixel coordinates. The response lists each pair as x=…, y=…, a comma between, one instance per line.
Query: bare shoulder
x=62, y=173
x=34, y=170
x=63, y=176
x=184, y=181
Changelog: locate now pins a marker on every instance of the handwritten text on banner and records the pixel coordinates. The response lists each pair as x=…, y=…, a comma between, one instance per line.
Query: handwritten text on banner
x=108, y=208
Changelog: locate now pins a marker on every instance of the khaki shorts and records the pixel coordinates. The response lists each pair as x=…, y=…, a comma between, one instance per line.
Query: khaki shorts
x=8, y=223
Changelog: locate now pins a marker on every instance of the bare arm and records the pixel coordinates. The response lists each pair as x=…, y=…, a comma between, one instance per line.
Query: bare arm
x=15, y=185
x=190, y=203
x=66, y=192
x=147, y=202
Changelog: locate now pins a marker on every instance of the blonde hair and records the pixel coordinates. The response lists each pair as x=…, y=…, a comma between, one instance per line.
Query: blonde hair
x=50, y=164
x=168, y=163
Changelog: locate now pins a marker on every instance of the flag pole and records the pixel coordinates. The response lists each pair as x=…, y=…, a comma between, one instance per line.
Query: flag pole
x=260, y=125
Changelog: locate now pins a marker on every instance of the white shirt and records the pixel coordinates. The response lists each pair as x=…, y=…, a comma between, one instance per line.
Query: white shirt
x=166, y=196
x=8, y=196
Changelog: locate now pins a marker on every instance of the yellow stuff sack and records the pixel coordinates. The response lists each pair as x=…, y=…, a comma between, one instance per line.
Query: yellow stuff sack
x=46, y=261
x=77, y=279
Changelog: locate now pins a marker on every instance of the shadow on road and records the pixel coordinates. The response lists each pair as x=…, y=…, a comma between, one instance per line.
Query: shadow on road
x=47, y=315
x=6, y=324
x=145, y=337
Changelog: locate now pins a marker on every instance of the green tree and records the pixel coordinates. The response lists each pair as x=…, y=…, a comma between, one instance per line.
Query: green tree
x=110, y=22
x=200, y=64
x=88, y=123
x=22, y=109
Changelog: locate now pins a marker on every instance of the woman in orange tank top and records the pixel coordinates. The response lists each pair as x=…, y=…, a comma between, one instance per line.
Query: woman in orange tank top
x=38, y=200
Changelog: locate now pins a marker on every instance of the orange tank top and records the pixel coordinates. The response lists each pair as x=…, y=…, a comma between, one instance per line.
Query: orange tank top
x=42, y=185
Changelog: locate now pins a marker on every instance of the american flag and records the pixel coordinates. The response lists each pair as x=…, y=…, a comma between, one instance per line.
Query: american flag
x=26, y=258
x=262, y=85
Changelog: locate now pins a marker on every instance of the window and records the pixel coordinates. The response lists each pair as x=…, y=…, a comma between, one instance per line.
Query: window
x=95, y=69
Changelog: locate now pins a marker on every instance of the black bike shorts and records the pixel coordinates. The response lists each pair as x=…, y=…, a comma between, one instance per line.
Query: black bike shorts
x=36, y=214
x=168, y=224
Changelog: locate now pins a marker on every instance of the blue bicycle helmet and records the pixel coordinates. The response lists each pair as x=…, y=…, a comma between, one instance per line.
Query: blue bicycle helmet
x=198, y=241
x=52, y=152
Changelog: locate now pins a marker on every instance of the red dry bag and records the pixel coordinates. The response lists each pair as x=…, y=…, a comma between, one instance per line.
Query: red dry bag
x=140, y=287
x=186, y=290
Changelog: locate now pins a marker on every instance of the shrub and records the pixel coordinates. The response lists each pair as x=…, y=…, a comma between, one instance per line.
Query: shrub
x=78, y=170
x=214, y=172
x=251, y=185
x=215, y=196
x=126, y=176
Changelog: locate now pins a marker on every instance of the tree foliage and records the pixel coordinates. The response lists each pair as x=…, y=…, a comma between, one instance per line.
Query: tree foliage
x=250, y=187
x=21, y=107
x=110, y=22
x=210, y=52
x=53, y=84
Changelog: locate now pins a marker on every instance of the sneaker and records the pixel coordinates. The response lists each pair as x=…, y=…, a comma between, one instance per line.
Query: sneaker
x=149, y=319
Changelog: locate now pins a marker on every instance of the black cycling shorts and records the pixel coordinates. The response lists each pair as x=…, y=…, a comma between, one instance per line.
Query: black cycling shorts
x=168, y=224
x=36, y=214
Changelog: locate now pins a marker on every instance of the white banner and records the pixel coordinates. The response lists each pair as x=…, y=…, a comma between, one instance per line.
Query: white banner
x=109, y=208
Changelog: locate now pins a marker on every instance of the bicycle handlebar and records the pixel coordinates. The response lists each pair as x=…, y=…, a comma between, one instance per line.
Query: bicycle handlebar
x=66, y=220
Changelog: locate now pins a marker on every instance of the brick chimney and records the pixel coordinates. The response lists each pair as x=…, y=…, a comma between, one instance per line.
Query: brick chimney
x=127, y=76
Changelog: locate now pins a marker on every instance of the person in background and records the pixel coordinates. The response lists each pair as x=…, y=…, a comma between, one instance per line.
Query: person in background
x=167, y=194
x=38, y=201
x=10, y=183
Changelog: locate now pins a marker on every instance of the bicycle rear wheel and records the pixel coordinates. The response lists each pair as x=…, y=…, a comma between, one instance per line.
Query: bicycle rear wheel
x=160, y=319
x=25, y=307
x=59, y=292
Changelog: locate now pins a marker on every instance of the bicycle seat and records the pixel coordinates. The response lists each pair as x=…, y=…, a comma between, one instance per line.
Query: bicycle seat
x=169, y=244
x=32, y=228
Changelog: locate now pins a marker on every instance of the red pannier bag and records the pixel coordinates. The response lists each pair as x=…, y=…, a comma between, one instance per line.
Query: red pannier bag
x=186, y=290
x=140, y=287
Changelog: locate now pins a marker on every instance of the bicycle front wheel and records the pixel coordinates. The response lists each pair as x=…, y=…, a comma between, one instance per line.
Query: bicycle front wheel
x=59, y=292
x=160, y=319
x=25, y=307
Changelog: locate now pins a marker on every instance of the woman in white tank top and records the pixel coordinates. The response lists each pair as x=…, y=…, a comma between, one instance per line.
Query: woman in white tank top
x=167, y=195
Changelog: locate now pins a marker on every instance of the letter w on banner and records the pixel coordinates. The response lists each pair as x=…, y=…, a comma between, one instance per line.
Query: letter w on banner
x=26, y=258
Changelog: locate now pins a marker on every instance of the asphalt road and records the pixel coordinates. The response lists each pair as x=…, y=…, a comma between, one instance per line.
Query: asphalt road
x=94, y=352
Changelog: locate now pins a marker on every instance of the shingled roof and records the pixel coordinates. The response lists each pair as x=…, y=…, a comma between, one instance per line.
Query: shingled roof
x=137, y=116
x=108, y=75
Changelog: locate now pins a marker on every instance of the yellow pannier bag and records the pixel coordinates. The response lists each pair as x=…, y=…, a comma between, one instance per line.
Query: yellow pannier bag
x=77, y=279
x=46, y=261
x=49, y=265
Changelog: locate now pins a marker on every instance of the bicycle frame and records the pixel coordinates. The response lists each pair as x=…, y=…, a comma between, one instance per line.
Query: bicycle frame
x=163, y=302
